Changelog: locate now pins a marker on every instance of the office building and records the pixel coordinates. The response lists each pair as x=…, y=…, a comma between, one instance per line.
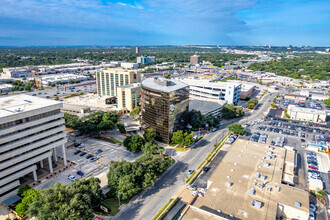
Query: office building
x=129, y=65
x=195, y=59
x=162, y=103
x=247, y=90
x=307, y=114
x=137, y=50
x=207, y=107
x=108, y=80
x=200, y=88
x=128, y=96
x=250, y=183
x=145, y=59
x=14, y=72
x=31, y=128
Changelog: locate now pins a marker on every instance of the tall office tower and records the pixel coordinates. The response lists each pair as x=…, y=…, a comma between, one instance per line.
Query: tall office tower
x=108, y=80
x=137, y=50
x=195, y=59
x=163, y=102
x=31, y=129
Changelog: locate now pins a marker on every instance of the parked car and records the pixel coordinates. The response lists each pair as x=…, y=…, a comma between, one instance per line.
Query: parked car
x=206, y=169
x=72, y=178
x=95, y=158
x=76, y=144
x=190, y=187
x=190, y=172
x=82, y=154
x=89, y=156
x=54, y=165
x=98, y=151
x=80, y=173
x=77, y=152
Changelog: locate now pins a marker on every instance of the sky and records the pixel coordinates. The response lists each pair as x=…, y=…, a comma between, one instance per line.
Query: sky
x=164, y=22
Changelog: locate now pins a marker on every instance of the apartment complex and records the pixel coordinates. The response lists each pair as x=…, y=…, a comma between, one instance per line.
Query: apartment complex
x=195, y=59
x=31, y=129
x=250, y=183
x=128, y=96
x=307, y=114
x=162, y=103
x=200, y=88
x=109, y=79
x=145, y=59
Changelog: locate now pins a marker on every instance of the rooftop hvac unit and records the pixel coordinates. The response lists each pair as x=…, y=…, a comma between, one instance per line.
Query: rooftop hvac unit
x=229, y=184
x=235, y=164
x=267, y=164
x=252, y=191
x=261, y=185
x=257, y=204
x=261, y=161
x=254, y=183
x=263, y=177
x=228, y=177
x=298, y=204
x=279, y=189
x=269, y=189
x=269, y=157
x=257, y=175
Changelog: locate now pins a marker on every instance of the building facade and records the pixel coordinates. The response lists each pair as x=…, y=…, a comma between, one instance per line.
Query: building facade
x=162, y=103
x=31, y=129
x=128, y=96
x=14, y=72
x=199, y=88
x=108, y=80
x=195, y=59
x=129, y=65
x=145, y=59
x=307, y=114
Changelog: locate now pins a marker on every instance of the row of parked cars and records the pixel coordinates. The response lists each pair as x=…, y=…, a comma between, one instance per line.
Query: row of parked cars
x=89, y=156
x=257, y=137
x=312, y=161
x=279, y=141
x=302, y=124
x=282, y=131
x=232, y=138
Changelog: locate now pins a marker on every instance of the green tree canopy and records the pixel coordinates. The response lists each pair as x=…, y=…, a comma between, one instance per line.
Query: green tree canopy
x=149, y=147
x=236, y=128
x=231, y=111
x=149, y=134
x=135, y=112
x=134, y=143
x=327, y=102
x=252, y=103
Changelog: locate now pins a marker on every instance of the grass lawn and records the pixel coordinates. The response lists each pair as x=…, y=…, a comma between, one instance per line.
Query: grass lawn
x=113, y=205
x=181, y=149
x=116, y=141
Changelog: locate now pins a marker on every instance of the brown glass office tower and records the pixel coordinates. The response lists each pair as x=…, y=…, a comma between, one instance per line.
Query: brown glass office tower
x=163, y=101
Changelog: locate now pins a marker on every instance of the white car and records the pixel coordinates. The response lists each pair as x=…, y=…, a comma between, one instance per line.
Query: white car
x=190, y=172
x=72, y=178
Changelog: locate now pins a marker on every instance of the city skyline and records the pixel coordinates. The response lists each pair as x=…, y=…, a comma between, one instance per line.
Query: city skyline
x=146, y=22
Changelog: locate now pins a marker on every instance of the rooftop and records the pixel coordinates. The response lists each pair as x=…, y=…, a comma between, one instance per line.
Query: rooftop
x=306, y=110
x=10, y=105
x=206, y=106
x=121, y=70
x=133, y=85
x=251, y=173
x=162, y=84
x=205, y=82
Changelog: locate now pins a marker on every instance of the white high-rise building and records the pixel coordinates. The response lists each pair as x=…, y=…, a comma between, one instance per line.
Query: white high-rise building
x=31, y=129
x=205, y=89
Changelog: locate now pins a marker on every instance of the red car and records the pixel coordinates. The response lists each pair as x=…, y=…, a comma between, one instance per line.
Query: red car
x=313, y=168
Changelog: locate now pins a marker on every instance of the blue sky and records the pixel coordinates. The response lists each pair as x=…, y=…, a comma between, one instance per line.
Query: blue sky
x=164, y=22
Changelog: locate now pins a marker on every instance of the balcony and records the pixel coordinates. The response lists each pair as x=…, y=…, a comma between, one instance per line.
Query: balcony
x=30, y=124
x=9, y=186
x=33, y=153
x=17, y=175
x=32, y=139
x=28, y=132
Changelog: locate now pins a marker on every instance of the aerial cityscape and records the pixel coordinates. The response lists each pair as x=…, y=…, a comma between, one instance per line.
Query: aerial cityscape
x=164, y=110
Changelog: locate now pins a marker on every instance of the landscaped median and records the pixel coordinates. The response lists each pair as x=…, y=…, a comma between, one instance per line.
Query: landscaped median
x=209, y=157
x=165, y=209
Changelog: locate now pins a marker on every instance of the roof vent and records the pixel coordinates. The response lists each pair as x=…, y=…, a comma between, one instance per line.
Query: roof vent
x=269, y=157
x=257, y=175
x=252, y=191
x=261, y=185
x=242, y=150
x=229, y=184
x=231, y=216
x=298, y=204
x=228, y=177
x=263, y=157
x=259, y=167
x=240, y=155
x=245, y=146
x=269, y=189
x=279, y=189
x=267, y=164
x=254, y=183
x=261, y=161
x=257, y=204
x=235, y=164
x=263, y=177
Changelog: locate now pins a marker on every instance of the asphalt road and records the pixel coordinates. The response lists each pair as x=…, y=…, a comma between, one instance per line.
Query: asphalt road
x=147, y=204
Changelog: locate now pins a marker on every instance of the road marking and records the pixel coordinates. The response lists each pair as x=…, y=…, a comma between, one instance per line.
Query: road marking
x=148, y=203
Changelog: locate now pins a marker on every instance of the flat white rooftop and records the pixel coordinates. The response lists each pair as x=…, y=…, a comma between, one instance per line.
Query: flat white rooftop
x=10, y=105
x=306, y=110
x=172, y=85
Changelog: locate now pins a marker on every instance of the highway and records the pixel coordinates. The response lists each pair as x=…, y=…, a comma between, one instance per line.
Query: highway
x=147, y=204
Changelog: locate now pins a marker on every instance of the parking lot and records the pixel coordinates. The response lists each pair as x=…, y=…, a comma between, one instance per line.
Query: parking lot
x=110, y=152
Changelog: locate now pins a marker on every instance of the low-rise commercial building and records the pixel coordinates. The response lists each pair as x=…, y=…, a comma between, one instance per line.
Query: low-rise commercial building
x=162, y=103
x=199, y=88
x=5, y=88
x=108, y=80
x=129, y=65
x=47, y=80
x=15, y=72
x=248, y=184
x=128, y=96
x=247, y=90
x=295, y=97
x=145, y=59
x=307, y=114
x=207, y=107
x=31, y=129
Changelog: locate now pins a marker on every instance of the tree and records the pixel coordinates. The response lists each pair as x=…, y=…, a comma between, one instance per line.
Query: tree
x=135, y=112
x=134, y=143
x=149, y=134
x=106, y=125
x=267, y=84
x=252, y=103
x=28, y=196
x=57, y=98
x=230, y=111
x=168, y=76
x=90, y=187
x=77, y=81
x=52, y=85
x=149, y=147
x=236, y=128
x=327, y=102
x=71, y=82
x=177, y=137
x=187, y=139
